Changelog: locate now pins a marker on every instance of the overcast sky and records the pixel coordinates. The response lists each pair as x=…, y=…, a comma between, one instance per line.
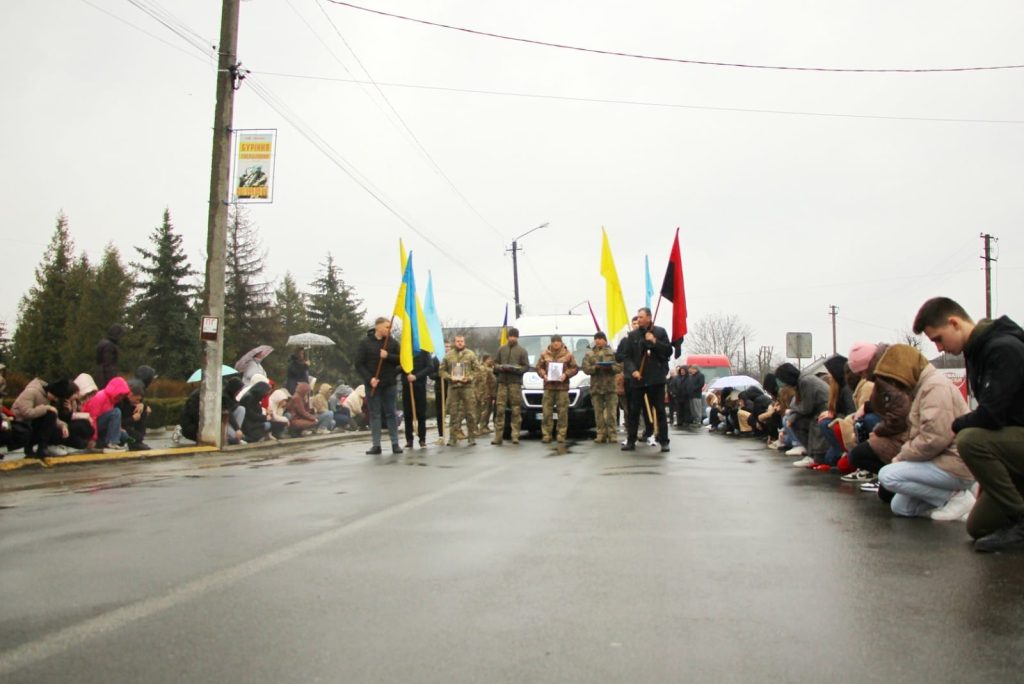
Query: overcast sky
x=780, y=214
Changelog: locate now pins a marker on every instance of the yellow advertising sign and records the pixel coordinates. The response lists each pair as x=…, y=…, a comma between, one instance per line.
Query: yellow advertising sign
x=254, y=166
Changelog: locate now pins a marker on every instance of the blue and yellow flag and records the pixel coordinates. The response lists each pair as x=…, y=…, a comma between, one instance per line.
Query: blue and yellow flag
x=504, y=328
x=412, y=328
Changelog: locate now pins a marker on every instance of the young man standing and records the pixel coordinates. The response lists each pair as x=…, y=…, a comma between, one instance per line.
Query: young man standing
x=459, y=368
x=377, y=361
x=600, y=365
x=510, y=363
x=555, y=366
x=990, y=439
x=645, y=353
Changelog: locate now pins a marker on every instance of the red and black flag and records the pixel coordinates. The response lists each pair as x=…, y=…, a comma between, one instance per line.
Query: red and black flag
x=673, y=290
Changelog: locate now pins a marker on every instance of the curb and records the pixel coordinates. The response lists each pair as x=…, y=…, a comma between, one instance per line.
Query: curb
x=35, y=464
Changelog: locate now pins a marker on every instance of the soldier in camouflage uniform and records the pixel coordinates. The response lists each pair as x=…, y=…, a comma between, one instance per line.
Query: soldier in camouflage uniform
x=460, y=368
x=601, y=366
x=556, y=389
x=511, y=362
x=485, y=384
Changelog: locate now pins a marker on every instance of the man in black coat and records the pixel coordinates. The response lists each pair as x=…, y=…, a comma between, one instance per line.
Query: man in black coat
x=695, y=388
x=107, y=353
x=990, y=438
x=414, y=393
x=646, y=352
x=377, y=362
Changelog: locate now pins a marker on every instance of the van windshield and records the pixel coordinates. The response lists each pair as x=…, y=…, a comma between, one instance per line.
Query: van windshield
x=579, y=345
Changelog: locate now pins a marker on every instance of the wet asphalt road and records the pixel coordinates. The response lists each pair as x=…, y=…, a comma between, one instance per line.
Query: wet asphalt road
x=719, y=563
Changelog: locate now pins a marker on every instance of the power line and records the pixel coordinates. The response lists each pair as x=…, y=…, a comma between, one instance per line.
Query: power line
x=697, y=62
x=190, y=55
x=416, y=140
x=338, y=160
x=642, y=103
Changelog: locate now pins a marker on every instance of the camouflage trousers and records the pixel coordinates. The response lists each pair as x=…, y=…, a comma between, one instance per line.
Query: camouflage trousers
x=462, y=406
x=485, y=404
x=606, y=413
x=555, y=400
x=510, y=395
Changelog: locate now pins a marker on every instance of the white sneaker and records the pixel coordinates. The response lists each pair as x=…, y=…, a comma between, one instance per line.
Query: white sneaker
x=859, y=476
x=959, y=505
x=651, y=441
x=805, y=462
x=797, y=451
x=114, y=449
x=774, y=444
x=56, y=450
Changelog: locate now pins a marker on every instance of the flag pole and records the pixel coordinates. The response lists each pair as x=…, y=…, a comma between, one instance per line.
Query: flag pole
x=412, y=402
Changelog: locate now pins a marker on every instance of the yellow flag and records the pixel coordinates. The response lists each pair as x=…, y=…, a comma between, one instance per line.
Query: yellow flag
x=400, y=299
x=617, y=317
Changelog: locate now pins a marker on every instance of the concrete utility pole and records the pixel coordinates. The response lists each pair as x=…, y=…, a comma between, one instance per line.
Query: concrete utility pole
x=515, y=266
x=210, y=422
x=832, y=311
x=988, y=271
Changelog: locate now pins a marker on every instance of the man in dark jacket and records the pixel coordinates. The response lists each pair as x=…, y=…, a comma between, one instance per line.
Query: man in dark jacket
x=646, y=352
x=377, y=362
x=812, y=400
x=414, y=394
x=107, y=353
x=990, y=438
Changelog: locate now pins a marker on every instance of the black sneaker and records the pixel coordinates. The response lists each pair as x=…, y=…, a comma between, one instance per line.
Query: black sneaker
x=395, y=449
x=1009, y=538
x=373, y=451
x=629, y=446
x=664, y=448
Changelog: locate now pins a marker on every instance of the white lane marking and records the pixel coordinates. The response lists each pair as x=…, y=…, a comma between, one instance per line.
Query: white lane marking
x=75, y=635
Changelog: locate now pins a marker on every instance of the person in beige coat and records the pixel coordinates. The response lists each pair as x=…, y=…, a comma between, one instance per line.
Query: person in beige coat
x=927, y=476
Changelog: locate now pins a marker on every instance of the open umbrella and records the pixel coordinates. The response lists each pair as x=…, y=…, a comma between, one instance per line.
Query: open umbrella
x=737, y=382
x=309, y=339
x=256, y=354
x=198, y=375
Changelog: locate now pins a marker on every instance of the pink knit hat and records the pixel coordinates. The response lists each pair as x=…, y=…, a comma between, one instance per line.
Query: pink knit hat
x=860, y=356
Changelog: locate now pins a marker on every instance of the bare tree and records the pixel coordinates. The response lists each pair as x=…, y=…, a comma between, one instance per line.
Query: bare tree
x=908, y=337
x=720, y=333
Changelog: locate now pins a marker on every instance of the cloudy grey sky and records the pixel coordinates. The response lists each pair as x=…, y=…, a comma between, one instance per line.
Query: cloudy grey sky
x=873, y=208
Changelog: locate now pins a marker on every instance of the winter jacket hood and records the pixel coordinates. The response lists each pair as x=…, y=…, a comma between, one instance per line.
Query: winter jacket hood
x=257, y=383
x=85, y=384
x=32, y=403
x=902, y=363
x=146, y=374
x=787, y=374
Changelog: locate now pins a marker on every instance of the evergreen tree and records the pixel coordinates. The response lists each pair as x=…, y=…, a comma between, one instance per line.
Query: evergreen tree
x=101, y=296
x=166, y=325
x=336, y=312
x=43, y=312
x=248, y=319
x=5, y=344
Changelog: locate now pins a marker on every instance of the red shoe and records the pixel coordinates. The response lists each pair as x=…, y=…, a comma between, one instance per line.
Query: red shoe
x=844, y=466
x=821, y=467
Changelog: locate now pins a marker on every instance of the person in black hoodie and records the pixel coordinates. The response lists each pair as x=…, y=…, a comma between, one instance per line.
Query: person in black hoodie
x=695, y=386
x=990, y=438
x=377, y=362
x=298, y=370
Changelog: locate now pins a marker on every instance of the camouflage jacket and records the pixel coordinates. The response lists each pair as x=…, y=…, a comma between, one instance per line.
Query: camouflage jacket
x=511, y=355
x=602, y=378
x=456, y=361
x=563, y=356
x=485, y=383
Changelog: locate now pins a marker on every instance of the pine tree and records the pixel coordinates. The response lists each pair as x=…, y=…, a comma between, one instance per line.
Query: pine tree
x=166, y=326
x=248, y=319
x=102, y=296
x=336, y=312
x=290, y=317
x=5, y=344
x=43, y=312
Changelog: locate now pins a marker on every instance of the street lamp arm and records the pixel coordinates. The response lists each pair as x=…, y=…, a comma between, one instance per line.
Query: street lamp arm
x=543, y=225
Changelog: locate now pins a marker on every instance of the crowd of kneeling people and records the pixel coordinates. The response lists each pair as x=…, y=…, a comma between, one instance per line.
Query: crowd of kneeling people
x=891, y=423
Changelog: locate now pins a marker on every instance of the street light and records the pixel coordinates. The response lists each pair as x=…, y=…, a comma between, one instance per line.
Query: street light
x=515, y=266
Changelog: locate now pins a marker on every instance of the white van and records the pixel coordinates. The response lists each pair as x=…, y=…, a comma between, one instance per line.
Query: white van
x=534, y=336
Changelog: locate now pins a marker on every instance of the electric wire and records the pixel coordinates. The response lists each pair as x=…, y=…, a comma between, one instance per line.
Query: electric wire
x=644, y=103
x=189, y=54
x=317, y=141
x=338, y=160
x=419, y=145
x=697, y=62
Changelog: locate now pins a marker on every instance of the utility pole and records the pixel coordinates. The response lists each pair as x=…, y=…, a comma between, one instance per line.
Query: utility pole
x=515, y=267
x=988, y=271
x=746, y=369
x=210, y=421
x=832, y=311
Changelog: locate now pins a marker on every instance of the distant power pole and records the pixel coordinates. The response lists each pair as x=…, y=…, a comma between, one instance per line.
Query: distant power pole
x=515, y=266
x=832, y=311
x=210, y=423
x=988, y=258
